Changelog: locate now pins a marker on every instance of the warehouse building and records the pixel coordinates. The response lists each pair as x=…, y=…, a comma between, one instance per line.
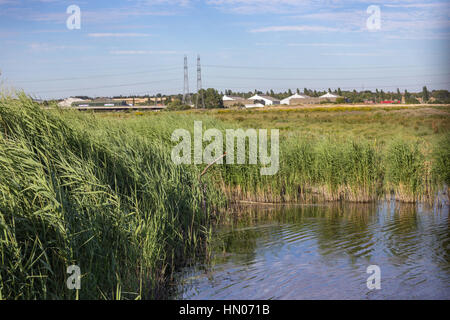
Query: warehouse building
x=329, y=97
x=100, y=102
x=230, y=101
x=294, y=96
x=265, y=100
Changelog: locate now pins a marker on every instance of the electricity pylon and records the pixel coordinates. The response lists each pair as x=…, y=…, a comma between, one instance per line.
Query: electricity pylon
x=186, y=94
x=199, y=86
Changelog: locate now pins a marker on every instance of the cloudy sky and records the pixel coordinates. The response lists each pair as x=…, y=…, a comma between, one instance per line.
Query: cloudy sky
x=137, y=47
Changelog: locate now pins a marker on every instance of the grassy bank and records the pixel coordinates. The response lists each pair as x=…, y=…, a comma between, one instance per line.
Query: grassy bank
x=74, y=190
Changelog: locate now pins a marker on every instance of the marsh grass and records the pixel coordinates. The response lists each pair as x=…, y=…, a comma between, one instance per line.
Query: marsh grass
x=100, y=191
x=407, y=174
x=330, y=155
x=75, y=191
x=441, y=164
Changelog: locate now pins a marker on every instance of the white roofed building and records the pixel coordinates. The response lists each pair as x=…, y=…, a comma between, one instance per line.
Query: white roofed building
x=265, y=100
x=68, y=102
x=329, y=96
x=229, y=101
x=231, y=98
x=294, y=96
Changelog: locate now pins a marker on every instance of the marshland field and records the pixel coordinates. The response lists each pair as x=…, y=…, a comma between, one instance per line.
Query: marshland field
x=100, y=190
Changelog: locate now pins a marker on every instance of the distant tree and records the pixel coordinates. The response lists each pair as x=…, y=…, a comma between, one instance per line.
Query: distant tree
x=298, y=91
x=441, y=96
x=213, y=99
x=340, y=100
x=339, y=92
x=407, y=95
x=329, y=90
x=289, y=92
x=411, y=100
x=272, y=93
x=425, y=94
x=176, y=104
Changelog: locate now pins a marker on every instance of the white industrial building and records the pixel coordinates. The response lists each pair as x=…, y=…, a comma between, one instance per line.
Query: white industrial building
x=265, y=100
x=68, y=102
x=329, y=95
x=231, y=98
x=294, y=96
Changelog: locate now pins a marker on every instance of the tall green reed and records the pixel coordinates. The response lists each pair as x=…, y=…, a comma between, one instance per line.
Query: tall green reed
x=76, y=191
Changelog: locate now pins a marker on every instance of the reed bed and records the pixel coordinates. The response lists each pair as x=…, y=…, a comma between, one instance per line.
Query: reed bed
x=75, y=191
x=101, y=192
x=328, y=170
x=323, y=167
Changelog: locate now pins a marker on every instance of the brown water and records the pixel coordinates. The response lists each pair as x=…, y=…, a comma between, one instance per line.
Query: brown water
x=323, y=251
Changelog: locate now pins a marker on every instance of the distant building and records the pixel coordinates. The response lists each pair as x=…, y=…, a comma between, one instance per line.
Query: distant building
x=265, y=100
x=231, y=98
x=68, y=102
x=329, y=95
x=255, y=105
x=301, y=101
x=294, y=96
x=229, y=101
x=101, y=102
x=389, y=101
x=140, y=101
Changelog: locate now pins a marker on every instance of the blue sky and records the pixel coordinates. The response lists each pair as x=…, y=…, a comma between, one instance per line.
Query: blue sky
x=137, y=47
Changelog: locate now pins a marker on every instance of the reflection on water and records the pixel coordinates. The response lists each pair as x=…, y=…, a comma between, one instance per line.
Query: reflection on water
x=322, y=252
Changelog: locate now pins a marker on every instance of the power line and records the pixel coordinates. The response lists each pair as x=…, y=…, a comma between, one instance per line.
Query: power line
x=318, y=68
x=111, y=86
x=354, y=87
x=96, y=76
x=332, y=79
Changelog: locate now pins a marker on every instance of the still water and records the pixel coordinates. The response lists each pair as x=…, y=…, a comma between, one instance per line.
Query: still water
x=323, y=251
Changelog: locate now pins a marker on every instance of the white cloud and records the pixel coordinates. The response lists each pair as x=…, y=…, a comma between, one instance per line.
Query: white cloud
x=260, y=6
x=294, y=28
x=393, y=20
x=100, y=16
x=45, y=47
x=323, y=44
x=417, y=5
x=354, y=54
x=118, y=35
x=139, y=52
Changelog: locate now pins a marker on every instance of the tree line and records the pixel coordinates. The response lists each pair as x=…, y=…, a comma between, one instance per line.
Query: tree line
x=212, y=98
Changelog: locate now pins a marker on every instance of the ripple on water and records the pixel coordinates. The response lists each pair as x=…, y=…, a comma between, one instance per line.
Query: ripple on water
x=322, y=252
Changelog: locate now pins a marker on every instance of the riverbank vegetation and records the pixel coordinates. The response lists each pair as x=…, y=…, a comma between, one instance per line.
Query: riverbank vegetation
x=76, y=191
x=101, y=191
x=329, y=153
